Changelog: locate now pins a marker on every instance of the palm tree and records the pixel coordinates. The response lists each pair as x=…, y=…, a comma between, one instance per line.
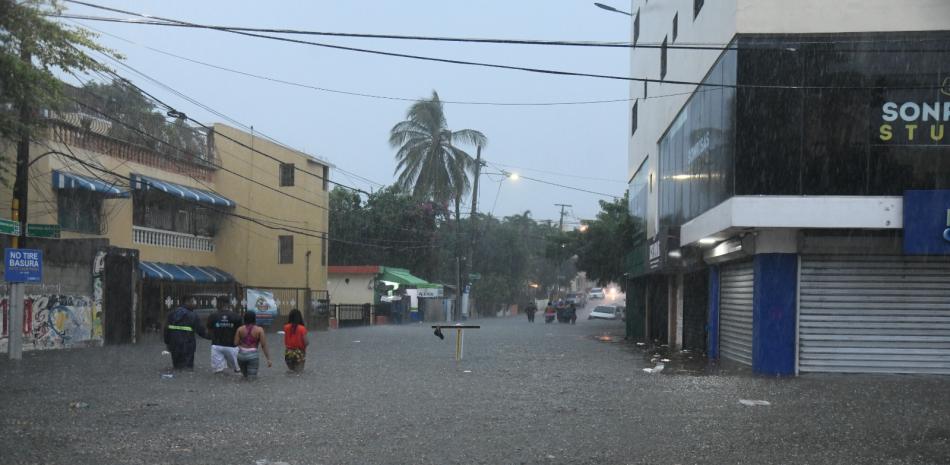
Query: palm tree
x=430, y=162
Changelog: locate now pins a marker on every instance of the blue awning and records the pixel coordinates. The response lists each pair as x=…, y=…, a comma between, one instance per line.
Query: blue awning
x=188, y=193
x=183, y=273
x=66, y=180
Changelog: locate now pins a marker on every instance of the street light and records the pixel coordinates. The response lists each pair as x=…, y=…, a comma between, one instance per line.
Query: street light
x=612, y=9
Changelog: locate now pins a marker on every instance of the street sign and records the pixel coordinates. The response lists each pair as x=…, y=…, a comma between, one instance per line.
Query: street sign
x=23, y=265
x=48, y=231
x=475, y=276
x=10, y=227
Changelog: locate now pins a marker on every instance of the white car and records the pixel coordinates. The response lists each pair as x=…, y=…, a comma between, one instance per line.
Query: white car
x=597, y=293
x=603, y=312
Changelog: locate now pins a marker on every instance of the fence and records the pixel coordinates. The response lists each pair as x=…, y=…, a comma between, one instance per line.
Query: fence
x=313, y=303
x=352, y=314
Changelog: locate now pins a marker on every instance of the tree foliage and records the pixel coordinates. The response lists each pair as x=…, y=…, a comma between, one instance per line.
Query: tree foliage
x=26, y=30
x=603, y=247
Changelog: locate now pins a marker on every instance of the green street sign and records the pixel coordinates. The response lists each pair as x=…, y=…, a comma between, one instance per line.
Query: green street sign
x=48, y=231
x=9, y=227
x=475, y=276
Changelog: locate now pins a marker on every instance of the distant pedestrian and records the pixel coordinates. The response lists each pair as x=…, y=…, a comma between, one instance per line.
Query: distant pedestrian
x=295, y=342
x=549, y=312
x=247, y=339
x=223, y=324
x=180, y=329
x=573, y=313
x=530, y=310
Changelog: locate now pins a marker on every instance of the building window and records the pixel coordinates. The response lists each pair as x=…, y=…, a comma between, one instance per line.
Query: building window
x=636, y=27
x=286, y=174
x=633, y=119
x=326, y=178
x=663, y=59
x=676, y=25
x=79, y=211
x=285, y=253
x=697, y=5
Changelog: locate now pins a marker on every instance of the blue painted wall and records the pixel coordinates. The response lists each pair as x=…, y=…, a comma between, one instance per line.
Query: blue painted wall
x=773, y=313
x=712, y=326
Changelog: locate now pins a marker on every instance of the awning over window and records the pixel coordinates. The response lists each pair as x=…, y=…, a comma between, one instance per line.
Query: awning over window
x=66, y=180
x=188, y=193
x=183, y=273
x=401, y=276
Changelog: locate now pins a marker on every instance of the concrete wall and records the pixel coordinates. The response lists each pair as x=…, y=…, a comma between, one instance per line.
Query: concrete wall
x=250, y=251
x=817, y=16
x=358, y=291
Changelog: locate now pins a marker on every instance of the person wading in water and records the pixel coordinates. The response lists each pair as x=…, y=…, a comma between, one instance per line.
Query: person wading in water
x=248, y=338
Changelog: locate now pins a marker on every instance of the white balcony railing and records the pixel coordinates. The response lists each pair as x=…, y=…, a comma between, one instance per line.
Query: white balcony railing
x=176, y=240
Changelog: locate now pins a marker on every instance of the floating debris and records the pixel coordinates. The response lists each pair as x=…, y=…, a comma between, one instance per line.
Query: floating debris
x=665, y=360
x=78, y=405
x=754, y=403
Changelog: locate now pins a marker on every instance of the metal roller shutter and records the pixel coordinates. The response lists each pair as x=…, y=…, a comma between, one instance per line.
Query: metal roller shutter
x=735, y=312
x=882, y=314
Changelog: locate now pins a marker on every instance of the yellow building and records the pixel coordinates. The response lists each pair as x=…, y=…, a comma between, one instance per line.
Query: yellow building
x=232, y=212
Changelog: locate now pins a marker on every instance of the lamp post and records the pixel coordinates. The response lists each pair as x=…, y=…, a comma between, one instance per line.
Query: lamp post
x=611, y=9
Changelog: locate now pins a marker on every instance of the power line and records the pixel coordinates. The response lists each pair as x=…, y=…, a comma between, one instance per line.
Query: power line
x=476, y=63
x=500, y=166
x=364, y=94
x=158, y=21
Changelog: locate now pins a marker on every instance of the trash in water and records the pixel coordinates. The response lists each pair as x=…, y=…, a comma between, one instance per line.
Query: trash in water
x=467, y=371
x=753, y=403
x=167, y=376
x=665, y=360
x=641, y=344
x=165, y=352
x=356, y=341
x=655, y=369
x=78, y=405
x=281, y=333
x=550, y=457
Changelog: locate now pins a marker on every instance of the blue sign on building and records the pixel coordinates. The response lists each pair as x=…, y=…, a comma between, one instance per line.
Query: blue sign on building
x=927, y=222
x=23, y=265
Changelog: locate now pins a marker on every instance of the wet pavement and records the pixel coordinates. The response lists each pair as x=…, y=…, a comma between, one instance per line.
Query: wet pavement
x=525, y=393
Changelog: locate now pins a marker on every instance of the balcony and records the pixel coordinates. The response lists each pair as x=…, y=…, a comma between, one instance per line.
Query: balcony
x=171, y=239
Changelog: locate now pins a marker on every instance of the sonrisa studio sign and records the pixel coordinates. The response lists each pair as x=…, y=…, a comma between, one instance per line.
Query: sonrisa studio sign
x=916, y=122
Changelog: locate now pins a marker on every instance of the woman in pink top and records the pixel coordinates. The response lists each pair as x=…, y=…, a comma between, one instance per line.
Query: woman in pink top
x=247, y=338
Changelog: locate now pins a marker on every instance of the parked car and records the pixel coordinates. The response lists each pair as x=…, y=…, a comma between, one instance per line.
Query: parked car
x=597, y=293
x=603, y=312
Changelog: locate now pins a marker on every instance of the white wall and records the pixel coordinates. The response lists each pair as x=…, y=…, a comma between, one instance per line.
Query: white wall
x=816, y=16
x=716, y=24
x=357, y=291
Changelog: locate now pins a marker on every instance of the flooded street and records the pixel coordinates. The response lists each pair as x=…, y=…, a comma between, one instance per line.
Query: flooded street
x=524, y=393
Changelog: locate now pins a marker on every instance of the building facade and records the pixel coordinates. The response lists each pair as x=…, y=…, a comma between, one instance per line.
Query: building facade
x=217, y=213
x=789, y=173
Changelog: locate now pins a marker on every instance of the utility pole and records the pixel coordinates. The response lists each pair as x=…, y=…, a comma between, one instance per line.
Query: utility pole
x=20, y=202
x=560, y=225
x=474, y=215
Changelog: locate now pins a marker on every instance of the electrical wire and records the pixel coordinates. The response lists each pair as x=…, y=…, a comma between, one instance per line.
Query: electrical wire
x=481, y=64
x=158, y=21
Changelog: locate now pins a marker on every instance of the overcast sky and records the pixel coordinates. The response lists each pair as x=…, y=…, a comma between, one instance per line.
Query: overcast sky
x=569, y=145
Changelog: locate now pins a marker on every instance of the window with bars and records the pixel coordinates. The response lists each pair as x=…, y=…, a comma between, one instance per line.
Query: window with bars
x=79, y=211
x=286, y=174
x=285, y=250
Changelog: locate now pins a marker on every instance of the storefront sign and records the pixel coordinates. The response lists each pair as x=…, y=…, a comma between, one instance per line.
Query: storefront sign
x=927, y=222
x=23, y=266
x=429, y=292
x=908, y=119
x=656, y=256
x=262, y=303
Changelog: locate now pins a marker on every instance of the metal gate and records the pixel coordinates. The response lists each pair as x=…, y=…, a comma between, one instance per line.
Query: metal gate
x=735, y=312
x=883, y=314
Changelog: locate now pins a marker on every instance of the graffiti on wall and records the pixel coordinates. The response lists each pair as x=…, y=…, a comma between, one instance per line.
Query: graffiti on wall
x=98, y=266
x=52, y=322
